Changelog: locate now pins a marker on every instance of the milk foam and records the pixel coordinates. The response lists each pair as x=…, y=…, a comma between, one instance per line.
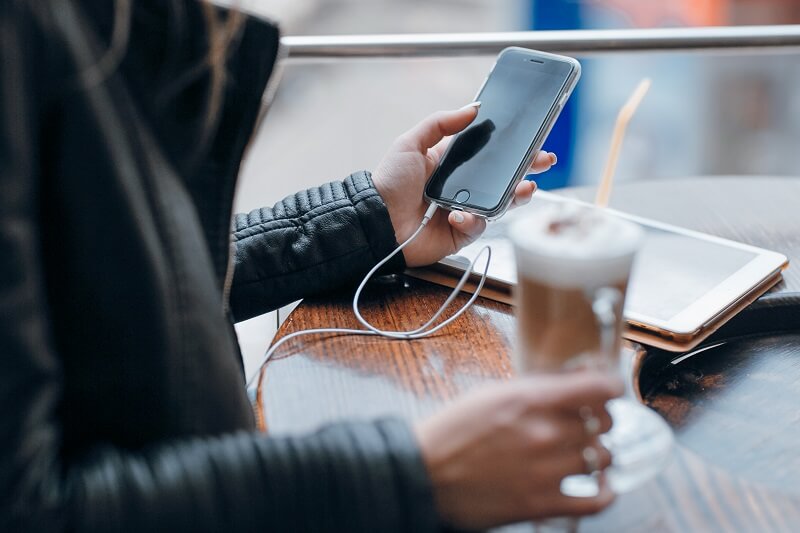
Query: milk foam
x=570, y=245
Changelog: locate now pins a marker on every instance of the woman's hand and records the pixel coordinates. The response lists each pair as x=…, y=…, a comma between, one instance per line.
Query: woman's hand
x=401, y=176
x=498, y=456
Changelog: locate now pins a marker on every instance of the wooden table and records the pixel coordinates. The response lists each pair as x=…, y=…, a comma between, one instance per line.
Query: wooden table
x=736, y=412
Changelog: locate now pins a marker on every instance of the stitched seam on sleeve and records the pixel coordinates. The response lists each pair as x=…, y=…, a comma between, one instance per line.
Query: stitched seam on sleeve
x=366, y=194
x=261, y=228
x=360, y=249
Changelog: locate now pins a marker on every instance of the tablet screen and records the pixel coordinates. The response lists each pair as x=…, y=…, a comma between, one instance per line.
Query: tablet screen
x=672, y=271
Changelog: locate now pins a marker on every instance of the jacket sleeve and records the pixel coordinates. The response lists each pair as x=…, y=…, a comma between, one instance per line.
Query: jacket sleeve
x=354, y=477
x=349, y=477
x=315, y=240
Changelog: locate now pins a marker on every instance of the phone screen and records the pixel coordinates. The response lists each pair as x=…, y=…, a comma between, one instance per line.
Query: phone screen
x=482, y=160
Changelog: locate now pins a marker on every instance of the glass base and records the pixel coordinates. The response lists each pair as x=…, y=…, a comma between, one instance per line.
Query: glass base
x=641, y=445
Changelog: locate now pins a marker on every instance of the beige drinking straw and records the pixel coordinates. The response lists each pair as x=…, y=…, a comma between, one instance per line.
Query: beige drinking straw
x=625, y=115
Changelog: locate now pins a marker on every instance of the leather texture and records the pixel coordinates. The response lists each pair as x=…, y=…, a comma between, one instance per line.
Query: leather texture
x=771, y=313
x=321, y=241
x=769, y=318
x=121, y=388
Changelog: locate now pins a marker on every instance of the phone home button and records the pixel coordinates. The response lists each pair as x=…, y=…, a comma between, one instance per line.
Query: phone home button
x=461, y=196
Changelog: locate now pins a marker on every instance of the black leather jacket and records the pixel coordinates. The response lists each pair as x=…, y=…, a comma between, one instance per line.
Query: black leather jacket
x=122, y=402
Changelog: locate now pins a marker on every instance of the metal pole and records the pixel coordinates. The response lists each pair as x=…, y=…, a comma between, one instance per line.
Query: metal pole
x=578, y=42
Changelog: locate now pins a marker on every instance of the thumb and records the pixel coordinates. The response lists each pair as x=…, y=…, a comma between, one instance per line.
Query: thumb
x=434, y=128
x=467, y=227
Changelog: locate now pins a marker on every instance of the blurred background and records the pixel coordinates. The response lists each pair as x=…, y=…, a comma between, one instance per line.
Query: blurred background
x=706, y=114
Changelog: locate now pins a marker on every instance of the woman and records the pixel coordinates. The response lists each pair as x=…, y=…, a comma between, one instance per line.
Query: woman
x=121, y=387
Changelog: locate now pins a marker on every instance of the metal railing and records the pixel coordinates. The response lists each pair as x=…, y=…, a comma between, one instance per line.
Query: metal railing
x=579, y=42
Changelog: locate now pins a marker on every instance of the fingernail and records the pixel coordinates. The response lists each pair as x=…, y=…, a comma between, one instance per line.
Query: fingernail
x=458, y=218
x=473, y=104
x=553, y=158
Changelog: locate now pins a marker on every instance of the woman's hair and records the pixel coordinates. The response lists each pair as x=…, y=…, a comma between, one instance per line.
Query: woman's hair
x=220, y=36
x=116, y=50
x=221, y=33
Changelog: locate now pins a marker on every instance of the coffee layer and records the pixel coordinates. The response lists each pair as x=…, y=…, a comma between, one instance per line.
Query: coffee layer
x=557, y=328
x=569, y=245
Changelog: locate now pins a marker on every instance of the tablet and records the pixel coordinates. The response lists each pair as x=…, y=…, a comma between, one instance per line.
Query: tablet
x=684, y=284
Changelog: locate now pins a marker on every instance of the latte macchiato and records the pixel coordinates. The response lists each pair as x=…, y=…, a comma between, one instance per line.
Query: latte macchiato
x=573, y=265
x=569, y=256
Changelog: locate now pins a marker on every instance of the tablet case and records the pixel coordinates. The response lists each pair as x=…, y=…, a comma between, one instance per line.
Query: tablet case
x=448, y=276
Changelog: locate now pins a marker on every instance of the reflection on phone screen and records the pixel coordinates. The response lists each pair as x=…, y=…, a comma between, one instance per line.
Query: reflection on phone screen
x=515, y=104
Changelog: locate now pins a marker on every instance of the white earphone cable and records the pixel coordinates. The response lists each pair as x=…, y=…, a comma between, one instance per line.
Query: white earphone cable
x=418, y=333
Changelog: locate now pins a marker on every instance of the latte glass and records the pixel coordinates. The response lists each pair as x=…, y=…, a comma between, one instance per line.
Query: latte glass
x=573, y=266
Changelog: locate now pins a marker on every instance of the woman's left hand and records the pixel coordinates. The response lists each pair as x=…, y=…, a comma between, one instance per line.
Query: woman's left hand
x=401, y=176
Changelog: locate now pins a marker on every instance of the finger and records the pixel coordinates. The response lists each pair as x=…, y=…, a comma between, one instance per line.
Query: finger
x=602, y=419
x=558, y=433
x=570, y=433
x=550, y=476
x=467, y=226
x=575, y=435
x=523, y=193
x=573, y=461
x=543, y=161
x=575, y=506
x=438, y=151
x=570, y=391
x=438, y=126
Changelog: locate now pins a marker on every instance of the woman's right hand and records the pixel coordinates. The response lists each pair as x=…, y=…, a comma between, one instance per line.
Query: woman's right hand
x=498, y=455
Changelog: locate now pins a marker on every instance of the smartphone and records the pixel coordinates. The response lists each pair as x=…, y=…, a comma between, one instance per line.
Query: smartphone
x=521, y=99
